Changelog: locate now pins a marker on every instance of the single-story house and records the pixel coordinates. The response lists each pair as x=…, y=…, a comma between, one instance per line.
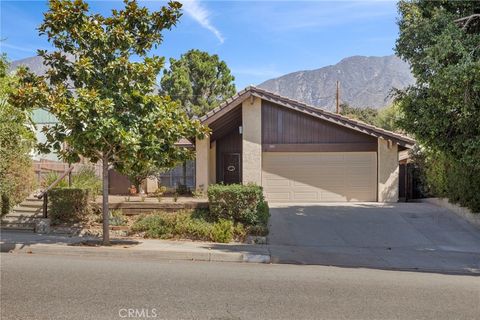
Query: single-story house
x=297, y=152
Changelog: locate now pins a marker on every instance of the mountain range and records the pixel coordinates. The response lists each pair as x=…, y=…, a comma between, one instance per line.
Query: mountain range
x=35, y=64
x=364, y=82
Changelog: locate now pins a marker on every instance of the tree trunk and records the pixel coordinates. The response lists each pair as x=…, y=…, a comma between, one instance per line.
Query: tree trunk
x=105, y=213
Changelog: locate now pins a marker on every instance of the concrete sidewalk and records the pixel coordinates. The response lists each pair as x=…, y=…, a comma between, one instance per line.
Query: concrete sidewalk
x=31, y=243
x=445, y=261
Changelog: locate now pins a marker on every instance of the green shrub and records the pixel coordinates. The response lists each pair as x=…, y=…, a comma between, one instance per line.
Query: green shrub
x=240, y=203
x=222, y=231
x=117, y=218
x=451, y=178
x=239, y=230
x=187, y=225
x=263, y=213
x=258, y=230
x=160, y=192
x=86, y=178
x=16, y=179
x=4, y=205
x=17, y=139
x=51, y=177
x=68, y=205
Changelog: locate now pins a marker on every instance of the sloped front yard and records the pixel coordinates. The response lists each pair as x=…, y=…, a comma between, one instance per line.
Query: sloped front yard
x=192, y=225
x=233, y=213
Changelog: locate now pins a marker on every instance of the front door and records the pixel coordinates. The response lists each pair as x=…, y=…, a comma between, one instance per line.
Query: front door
x=231, y=168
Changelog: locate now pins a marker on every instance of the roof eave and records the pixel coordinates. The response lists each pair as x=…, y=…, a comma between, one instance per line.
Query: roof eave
x=359, y=126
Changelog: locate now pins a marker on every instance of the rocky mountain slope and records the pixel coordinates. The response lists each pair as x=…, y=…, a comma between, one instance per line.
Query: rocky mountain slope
x=35, y=64
x=364, y=82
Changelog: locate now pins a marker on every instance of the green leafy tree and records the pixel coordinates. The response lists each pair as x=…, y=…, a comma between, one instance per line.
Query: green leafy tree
x=105, y=103
x=386, y=118
x=16, y=143
x=389, y=117
x=198, y=80
x=442, y=110
x=367, y=115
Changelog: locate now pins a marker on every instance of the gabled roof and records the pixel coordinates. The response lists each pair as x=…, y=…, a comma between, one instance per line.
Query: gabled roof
x=184, y=143
x=357, y=125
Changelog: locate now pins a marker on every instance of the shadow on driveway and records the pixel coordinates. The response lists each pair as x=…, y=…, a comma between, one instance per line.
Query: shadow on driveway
x=409, y=236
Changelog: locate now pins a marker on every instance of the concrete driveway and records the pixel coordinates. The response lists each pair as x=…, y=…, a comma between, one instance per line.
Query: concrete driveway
x=411, y=236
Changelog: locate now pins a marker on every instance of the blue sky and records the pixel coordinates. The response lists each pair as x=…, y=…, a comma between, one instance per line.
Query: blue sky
x=259, y=40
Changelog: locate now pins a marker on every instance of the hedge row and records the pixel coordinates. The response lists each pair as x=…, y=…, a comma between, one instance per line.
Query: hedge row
x=450, y=178
x=240, y=203
x=68, y=205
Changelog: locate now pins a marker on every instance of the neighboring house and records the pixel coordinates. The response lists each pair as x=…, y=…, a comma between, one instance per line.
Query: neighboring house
x=41, y=119
x=118, y=184
x=298, y=153
x=171, y=179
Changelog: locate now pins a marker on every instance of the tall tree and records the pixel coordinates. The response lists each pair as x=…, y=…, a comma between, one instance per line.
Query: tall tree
x=443, y=107
x=105, y=103
x=442, y=110
x=386, y=118
x=367, y=115
x=198, y=80
x=16, y=143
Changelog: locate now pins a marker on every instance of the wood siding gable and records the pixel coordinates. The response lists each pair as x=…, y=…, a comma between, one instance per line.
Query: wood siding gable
x=284, y=129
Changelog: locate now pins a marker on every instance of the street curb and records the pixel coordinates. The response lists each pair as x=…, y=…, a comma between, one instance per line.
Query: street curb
x=210, y=255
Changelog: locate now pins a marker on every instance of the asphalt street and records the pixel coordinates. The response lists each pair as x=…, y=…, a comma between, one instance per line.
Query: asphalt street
x=39, y=286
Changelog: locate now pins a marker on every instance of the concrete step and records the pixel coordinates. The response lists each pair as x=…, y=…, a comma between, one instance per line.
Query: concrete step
x=31, y=204
x=20, y=219
x=33, y=199
x=26, y=210
x=18, y=226
x=20, y=216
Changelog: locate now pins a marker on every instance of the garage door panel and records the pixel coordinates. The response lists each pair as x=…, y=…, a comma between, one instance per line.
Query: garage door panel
x=317, y=176
x=278, y=196
x=305, y=196
x=277, y=183
x=314, y=180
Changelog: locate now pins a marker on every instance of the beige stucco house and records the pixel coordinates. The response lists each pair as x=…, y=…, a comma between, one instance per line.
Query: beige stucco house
x=298, y=153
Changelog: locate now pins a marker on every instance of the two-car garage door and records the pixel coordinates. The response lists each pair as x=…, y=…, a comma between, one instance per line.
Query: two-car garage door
x=319, y=176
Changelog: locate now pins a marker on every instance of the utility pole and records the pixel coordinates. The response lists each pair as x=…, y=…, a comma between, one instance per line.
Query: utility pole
x=338, y=96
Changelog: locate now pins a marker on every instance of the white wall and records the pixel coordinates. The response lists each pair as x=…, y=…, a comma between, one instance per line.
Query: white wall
x=202, y=163
x=252, y=141
x=388, y=171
